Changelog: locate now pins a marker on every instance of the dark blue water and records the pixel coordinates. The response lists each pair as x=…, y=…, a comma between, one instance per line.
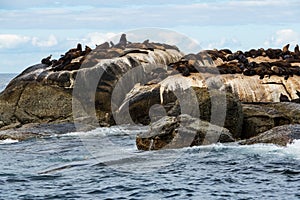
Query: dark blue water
x=105, y=164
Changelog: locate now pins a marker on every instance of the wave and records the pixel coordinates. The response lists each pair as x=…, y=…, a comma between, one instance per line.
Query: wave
x=110, y=131
x=291, y=150
x=8, y=141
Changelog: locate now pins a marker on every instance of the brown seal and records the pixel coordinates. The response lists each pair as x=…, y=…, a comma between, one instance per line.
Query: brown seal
x=296, y=50
x=285, y=49
x=47, y=60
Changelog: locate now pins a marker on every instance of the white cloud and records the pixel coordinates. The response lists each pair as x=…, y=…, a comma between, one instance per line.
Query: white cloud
x=52, y=41
x=167, y=14
x=231, y=43
x=283, y=37
x=255, y=3
x=91, y=39
x=12, y=40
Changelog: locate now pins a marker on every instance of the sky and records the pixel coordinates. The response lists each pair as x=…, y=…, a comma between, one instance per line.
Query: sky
x=31, y=30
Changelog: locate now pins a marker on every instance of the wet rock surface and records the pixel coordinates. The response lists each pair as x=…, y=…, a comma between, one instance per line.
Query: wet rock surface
x=281, y=135
x=181, y=131
x=32, y=131
x=259, y=118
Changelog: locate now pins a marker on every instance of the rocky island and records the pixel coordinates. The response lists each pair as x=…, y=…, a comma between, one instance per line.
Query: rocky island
x=186, y=99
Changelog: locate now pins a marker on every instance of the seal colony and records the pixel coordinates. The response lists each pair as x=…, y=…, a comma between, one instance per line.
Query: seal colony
x=76, y=57
x=264, y=63
x=45, y=93
x=261, y=62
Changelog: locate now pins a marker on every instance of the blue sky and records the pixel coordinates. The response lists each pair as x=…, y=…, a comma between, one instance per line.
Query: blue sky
x=31, y=30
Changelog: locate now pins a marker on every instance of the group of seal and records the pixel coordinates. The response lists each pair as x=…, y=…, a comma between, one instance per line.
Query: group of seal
x=264, y=63
x=279, y=62
x=261, y=62
x=67, y=61
x=76, y=58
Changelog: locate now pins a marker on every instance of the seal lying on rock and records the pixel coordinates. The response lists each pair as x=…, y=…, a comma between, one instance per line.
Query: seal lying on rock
x=47, y=60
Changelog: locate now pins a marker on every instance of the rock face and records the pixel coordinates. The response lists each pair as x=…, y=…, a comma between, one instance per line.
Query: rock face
x=181, y=131
x=281, y=135
x=259, y=118
x=219, y=108
x=28, y=102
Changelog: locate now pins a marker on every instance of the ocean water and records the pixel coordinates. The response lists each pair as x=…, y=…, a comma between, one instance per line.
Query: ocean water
x=4, y=80
x=105, y=164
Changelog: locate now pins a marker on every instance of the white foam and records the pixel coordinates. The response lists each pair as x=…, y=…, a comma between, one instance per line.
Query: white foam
x=293, y=149
x=109, y=131
x=8, y=141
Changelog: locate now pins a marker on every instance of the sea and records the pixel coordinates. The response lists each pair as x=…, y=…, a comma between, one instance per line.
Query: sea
x=104, y=163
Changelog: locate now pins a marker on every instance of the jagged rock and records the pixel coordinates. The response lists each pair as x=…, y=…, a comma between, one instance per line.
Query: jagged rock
x=181, y=131
x=259, y=118
x=281, y=135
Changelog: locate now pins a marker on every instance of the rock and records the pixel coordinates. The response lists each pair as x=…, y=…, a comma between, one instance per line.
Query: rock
x=123, y=83
x=37, y=131
x=42, y=93
x=179, y=132
x=259, y=118
x=222, y=109
x=34, y=102
x=281, y=135
x=217, y=107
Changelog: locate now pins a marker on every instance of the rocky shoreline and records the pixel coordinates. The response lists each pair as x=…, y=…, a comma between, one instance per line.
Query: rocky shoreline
x=194, y=99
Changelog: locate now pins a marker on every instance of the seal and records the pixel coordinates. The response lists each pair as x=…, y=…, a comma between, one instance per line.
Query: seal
x=105, y=45
x=79, y=47
x=47, y=60
x=285, y=49
x=296, y=50
x=133, y=51
x=181, y=66
x=87, y=50
x=123, y=41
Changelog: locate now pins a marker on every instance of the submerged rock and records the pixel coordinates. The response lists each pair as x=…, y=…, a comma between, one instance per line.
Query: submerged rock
x=181, y=131
x=281, y=135
x=37, y=131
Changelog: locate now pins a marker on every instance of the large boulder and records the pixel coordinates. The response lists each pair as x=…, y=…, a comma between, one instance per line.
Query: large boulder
x=181, y=131
x=281, y=135
x=30, y=102
x=261, y=117
x=46, y=93
x=180, y=96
